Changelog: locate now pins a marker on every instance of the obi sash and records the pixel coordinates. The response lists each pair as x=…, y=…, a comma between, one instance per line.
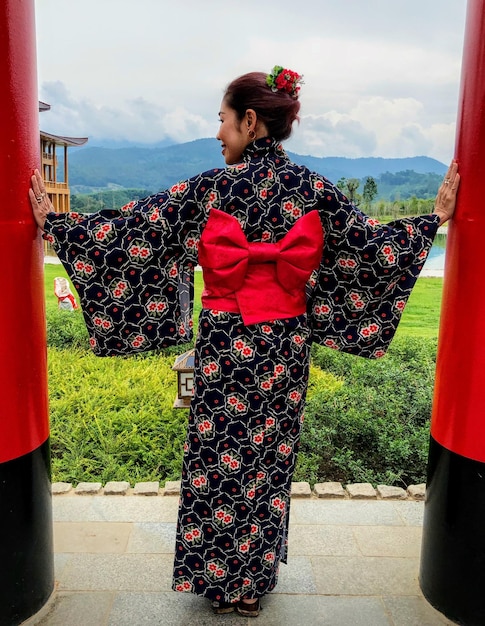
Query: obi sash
x=261, y=281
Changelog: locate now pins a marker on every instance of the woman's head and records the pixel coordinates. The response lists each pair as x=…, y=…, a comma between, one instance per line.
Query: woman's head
x=275, y=107
x=257, y=105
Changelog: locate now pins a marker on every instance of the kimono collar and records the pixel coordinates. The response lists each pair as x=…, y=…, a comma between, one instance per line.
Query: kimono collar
x=263, y=147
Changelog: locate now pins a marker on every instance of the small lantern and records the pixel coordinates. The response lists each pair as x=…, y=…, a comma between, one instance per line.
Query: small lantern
x=184, y=366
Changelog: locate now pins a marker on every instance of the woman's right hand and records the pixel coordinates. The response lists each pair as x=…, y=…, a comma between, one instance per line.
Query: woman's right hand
x=446, y=199
x=41, y=205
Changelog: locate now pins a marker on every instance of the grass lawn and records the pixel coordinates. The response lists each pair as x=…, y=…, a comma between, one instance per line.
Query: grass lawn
x=112, y=419
x=421, y=315
x=420, y=318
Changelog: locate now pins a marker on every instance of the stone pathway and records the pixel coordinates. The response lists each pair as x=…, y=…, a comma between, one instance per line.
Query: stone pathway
x=352, y=562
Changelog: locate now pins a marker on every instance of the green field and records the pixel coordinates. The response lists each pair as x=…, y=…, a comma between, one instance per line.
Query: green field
x=365, y=421
x=420, y=318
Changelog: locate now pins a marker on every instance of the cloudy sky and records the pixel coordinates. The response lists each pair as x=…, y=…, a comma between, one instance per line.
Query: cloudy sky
x=381, y=76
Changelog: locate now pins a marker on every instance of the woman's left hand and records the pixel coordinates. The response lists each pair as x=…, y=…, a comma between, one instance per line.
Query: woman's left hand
x=445, y=202
x=41, y=205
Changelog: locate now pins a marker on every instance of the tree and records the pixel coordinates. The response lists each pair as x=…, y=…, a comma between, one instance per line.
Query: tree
x=352, y=186
x=342, y=184
x=370, y=190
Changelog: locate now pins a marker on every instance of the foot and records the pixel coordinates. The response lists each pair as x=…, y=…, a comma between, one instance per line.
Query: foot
x=221, y=608
x=249, y=608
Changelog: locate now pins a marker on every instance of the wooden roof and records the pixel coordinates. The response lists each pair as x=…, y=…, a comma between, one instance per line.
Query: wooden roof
x=63, y=141
x=59, y=140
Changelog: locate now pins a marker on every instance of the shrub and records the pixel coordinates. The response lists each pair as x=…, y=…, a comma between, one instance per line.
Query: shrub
x=66, y=329
x=112, y=419
x=375, y=426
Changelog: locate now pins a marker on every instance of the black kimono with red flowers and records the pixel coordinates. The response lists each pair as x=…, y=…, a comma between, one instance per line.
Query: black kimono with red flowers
x=133, y=270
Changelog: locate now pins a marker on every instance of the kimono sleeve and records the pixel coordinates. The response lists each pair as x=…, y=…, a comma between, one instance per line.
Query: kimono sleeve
x=133, y=270
x=366, y=275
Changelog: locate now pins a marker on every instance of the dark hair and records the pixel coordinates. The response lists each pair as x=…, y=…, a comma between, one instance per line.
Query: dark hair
x=277, y=109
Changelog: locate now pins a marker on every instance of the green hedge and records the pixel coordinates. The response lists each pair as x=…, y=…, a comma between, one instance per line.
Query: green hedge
x=375, y=426
x=112, y=418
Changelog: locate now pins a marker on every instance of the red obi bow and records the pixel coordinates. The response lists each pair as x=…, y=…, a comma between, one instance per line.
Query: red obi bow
x=232, y=264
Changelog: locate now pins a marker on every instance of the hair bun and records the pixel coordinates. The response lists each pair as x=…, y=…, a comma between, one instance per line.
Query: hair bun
x=285, y=80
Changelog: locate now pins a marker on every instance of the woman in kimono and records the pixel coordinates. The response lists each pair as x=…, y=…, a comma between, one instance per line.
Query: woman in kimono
x=287, y=260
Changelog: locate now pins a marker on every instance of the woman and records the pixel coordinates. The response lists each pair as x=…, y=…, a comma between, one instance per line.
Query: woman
x=287, y=260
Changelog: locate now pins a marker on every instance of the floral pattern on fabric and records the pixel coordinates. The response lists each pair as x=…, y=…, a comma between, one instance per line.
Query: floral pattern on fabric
x=242, y=443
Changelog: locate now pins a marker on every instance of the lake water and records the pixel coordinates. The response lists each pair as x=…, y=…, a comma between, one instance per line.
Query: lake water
x=436, y=256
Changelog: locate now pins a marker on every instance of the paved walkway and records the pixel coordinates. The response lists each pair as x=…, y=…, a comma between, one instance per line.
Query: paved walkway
x=351, y=563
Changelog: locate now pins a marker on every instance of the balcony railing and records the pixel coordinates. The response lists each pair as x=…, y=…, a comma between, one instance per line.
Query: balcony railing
x=53, y=187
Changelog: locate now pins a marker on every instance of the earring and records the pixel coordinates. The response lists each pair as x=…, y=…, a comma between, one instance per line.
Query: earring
x=251, y=134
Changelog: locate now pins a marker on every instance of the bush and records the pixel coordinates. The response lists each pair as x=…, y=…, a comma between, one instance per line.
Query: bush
x=375, y=426
x=112, y=419
x=66, y=329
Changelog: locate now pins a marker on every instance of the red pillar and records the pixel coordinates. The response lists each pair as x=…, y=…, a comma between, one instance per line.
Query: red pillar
x=453, y=549
x=26, y=555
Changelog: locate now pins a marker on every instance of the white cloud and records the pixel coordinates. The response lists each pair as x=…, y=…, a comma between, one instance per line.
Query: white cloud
x=380, y=77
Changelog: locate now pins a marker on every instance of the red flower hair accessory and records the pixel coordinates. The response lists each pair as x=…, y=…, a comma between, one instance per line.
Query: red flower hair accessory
x=285, y=80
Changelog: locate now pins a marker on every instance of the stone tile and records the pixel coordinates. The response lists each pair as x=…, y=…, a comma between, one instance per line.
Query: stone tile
x=411, y=512
x=399, y=541
x=167, y=609
x=322, y=541
x=60, y=562
x=297, y=576
x=300, y=490
x=151, y=488
x=388, y=492
x=414, y=611
x=361, y=491
x=95, y=537
x=418, y=492
x=172, y=488
x=289, y=610
x=345, y=512
x=60, y=488
x=114, y=509
x=77, y=609
x=116, y=488
x=150, y=537
x=366, y=576
x=88, y=489
x=117, y=572
x=330, y=490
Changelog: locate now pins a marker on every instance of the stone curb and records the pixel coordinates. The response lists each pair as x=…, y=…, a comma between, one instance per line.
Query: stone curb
x=327, y=490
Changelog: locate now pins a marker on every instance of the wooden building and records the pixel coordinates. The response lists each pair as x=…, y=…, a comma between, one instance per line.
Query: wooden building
x=56, y=182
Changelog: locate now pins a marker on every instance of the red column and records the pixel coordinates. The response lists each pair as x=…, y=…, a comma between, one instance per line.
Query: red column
x=453, y=550
x=26, y=571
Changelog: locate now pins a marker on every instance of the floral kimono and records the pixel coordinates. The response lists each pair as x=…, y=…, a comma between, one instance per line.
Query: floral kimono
x=133, y=270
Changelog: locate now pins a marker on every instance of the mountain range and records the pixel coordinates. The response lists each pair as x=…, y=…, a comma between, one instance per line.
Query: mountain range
x=154, y=168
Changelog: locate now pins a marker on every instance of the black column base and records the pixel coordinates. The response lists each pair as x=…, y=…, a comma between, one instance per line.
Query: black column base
x=26, y=548
x=452, y=575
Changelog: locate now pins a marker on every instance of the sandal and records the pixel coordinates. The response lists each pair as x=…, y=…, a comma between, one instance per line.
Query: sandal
x=249, y=609
x=221, y=608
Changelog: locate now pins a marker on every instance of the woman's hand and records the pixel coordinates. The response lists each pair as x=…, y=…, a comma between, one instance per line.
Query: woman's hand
x=445, y=202
x=41, y=205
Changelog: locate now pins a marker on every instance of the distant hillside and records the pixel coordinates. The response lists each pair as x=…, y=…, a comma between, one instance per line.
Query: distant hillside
x=94, y=169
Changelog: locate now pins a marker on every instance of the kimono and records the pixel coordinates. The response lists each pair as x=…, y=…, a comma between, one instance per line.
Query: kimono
x=133, y=270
